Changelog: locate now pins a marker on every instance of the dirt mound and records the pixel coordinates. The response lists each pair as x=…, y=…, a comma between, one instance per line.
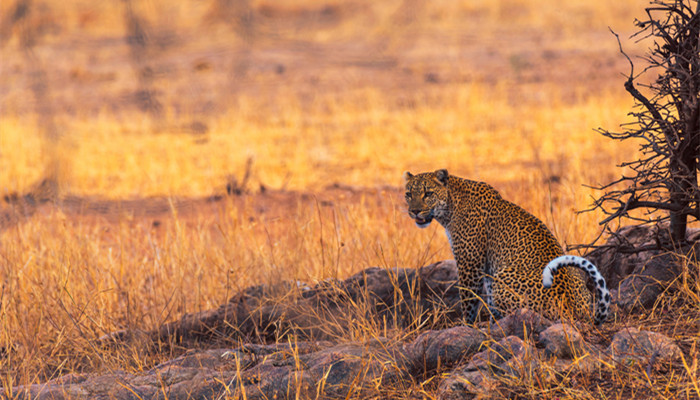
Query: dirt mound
x=295, y=340
x=468, y=358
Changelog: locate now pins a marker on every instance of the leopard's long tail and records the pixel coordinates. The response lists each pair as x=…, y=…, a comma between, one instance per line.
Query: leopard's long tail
x=602, y=293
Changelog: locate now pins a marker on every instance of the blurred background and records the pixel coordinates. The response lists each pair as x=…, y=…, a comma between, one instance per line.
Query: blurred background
x=126, y=99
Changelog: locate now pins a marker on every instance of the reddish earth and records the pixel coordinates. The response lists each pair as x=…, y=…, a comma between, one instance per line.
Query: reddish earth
x=268, y=205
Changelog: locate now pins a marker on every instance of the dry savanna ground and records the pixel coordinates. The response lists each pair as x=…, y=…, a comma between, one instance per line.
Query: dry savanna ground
x=142, y=114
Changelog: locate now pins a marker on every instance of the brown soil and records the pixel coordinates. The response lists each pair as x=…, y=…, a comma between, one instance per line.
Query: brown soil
x=269, y=205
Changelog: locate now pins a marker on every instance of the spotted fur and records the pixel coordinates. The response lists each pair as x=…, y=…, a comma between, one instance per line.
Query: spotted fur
x=602, y=294
x=505, y=256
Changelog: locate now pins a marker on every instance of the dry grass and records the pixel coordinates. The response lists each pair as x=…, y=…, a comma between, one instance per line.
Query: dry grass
x=69, y=277
x=304, y=147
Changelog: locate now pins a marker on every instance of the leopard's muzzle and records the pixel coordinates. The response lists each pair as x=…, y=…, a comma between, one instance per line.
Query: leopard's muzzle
x=423, y=218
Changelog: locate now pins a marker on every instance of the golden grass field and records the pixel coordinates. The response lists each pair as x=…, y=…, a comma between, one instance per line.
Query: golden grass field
x=336, y=100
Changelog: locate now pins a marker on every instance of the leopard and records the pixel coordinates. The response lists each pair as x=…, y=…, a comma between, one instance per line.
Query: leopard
x=506, y=257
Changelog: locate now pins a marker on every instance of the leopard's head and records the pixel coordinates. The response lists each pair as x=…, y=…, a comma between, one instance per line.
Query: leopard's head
x=426, y=196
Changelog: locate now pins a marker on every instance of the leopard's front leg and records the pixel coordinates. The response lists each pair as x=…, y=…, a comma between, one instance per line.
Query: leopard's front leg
x=470, y=255
x=488, y=295
x=470, y=290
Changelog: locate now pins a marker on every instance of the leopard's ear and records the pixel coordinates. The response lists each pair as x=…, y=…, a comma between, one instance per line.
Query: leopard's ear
x=406, y=176
x=441, y=176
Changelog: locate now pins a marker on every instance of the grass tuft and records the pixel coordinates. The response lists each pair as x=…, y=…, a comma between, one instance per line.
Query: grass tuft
x=270, y=165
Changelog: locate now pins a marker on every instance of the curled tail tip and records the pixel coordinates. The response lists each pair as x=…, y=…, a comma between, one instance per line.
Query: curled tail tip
x=603, y=307
x=599, y=319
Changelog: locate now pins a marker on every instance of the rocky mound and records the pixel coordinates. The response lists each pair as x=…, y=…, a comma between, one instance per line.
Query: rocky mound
x=470, y=360
x=297, y=342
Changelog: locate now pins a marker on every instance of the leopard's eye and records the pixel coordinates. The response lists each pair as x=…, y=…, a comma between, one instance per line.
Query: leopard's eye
x=408, y=195
x=428, y=194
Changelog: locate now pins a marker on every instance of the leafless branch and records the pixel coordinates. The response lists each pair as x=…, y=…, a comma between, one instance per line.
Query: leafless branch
x=663, y=181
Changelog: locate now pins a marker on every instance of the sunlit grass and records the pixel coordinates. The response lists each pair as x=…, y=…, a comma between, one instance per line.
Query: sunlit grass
x=67, y=279
x=73, y=280
x=476, y=131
